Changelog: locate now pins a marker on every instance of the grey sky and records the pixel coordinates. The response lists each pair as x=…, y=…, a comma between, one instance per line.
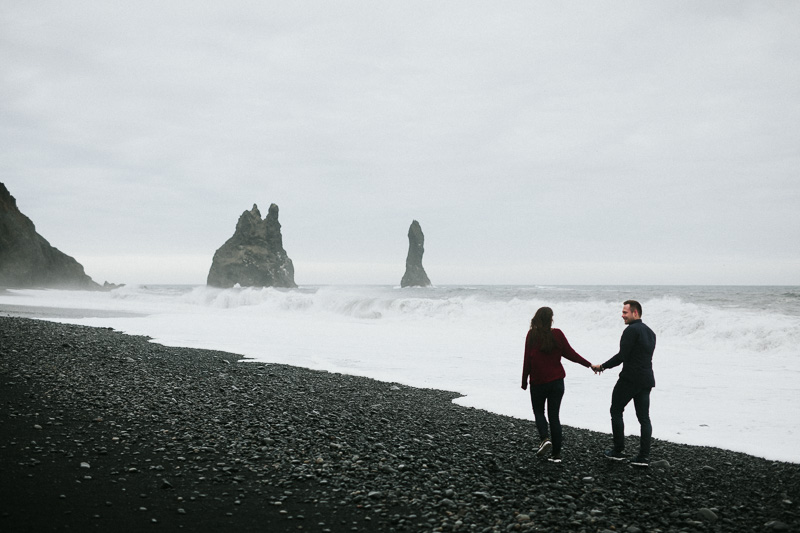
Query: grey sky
x=537, y=143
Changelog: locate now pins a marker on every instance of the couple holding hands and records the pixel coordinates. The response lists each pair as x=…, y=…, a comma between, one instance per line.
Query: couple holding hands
x=544, y=348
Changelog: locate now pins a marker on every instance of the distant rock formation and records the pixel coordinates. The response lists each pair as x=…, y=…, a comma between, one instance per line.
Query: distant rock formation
x=26, y=258
x=254, y=256
x=415, y=275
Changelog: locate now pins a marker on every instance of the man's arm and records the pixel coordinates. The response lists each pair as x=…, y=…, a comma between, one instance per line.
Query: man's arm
x=626, y=344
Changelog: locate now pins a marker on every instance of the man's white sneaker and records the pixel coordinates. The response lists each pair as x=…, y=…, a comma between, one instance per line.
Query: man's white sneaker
x=614, y=455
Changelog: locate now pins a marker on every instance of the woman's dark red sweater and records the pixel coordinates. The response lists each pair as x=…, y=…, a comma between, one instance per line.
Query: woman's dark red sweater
x=544, y=367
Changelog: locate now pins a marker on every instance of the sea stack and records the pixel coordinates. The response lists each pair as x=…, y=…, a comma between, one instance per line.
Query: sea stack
x=28, y=260
x=254, y=256
x=415, y=275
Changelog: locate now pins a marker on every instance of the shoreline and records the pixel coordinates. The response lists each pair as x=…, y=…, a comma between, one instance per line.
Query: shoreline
x=107, y=430
x=35, y=311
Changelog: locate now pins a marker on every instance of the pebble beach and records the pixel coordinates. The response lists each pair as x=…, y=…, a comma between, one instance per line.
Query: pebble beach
x=102, y=431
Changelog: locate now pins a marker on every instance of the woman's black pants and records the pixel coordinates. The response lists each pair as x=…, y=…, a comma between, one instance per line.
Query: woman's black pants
x=550, y=394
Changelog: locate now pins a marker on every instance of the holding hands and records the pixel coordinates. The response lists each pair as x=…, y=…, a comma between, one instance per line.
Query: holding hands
x=598, y=369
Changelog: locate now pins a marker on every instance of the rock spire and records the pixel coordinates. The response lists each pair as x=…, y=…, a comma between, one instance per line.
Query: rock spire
x=28, y=260
x=415, y=275
x=254, y=255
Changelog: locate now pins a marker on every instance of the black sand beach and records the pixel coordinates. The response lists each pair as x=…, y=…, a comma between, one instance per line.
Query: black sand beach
x=101, y=431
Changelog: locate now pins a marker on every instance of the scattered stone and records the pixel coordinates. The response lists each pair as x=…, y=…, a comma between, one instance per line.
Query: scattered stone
x=707, y=515
x=242, y=442
x=777, y=525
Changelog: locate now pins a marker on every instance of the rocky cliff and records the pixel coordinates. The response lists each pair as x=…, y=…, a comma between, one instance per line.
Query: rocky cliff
x=254, y=256
x=415, y=275
x=26, y=258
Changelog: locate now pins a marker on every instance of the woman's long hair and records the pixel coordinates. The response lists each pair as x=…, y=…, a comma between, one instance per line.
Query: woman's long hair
x=541, y=325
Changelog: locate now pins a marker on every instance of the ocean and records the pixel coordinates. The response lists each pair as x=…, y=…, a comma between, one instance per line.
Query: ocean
x=727, y=361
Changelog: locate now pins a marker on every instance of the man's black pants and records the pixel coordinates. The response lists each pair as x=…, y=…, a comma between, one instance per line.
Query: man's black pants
x=624, y=392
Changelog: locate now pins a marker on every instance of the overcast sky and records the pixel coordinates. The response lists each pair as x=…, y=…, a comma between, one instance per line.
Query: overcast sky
x=535, y=142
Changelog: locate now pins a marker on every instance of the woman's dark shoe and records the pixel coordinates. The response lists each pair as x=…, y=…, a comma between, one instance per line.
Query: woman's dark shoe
x=544, y=447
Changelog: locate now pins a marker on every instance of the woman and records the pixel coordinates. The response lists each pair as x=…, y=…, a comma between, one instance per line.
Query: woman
x=544, y=348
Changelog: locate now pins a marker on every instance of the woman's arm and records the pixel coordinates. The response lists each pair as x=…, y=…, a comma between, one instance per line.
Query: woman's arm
x=567, y=350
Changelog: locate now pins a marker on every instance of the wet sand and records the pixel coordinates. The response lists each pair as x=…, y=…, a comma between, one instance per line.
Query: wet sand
x=32, y=311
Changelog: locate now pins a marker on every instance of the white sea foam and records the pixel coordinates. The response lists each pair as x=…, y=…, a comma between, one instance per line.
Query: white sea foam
x=726, y=364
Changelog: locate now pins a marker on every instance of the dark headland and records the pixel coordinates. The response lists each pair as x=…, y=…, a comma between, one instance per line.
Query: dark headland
x=101, y=431
x=27, y=260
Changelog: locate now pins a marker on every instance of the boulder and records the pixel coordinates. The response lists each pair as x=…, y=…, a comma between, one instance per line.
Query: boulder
x=415, y=275
x=254, y=255
x=27, y=260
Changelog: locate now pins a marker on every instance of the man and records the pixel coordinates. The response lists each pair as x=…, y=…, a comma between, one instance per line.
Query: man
x=636, y=380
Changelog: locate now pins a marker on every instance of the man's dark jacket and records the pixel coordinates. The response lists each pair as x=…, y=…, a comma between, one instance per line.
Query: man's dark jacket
x=636, y=347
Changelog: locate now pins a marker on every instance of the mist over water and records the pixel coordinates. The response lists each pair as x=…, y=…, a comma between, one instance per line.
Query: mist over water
x=725, y=363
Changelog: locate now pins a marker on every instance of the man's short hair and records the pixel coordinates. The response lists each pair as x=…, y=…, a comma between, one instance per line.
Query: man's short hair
x=636, y=306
